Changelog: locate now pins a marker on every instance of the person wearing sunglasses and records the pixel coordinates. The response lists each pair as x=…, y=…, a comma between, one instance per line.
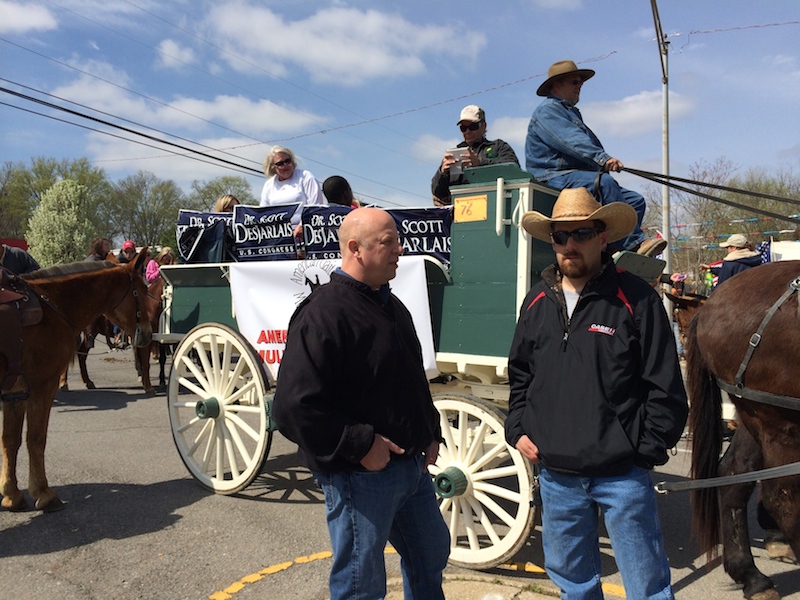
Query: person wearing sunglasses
x=562, y=152
x=596, y=400
x=472, y=124
x=287, y=184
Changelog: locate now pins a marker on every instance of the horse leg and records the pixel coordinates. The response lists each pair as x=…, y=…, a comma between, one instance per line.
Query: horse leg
x=38, y=413
x=743, y=455
x=83, y=353
x=162, y=360
x=143, y=357
x=13, y=416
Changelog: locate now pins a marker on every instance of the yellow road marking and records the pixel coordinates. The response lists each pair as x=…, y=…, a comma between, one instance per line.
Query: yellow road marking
x=238, y=586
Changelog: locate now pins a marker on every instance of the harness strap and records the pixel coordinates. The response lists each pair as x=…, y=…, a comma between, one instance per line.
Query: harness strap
x=755, y=339
x=664, y=487
x=758, y=396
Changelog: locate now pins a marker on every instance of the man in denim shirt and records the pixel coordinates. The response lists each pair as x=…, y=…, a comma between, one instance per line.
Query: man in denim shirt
x=563, y=152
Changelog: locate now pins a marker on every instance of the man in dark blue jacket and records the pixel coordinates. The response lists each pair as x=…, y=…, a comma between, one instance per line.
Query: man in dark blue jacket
x=561, y=151
x=596, y=400
x=353, y=394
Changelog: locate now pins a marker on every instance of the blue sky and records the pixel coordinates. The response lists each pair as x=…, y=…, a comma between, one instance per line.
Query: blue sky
x=371, y=90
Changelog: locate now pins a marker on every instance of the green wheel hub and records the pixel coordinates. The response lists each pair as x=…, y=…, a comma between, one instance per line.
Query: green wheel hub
x=450, y=482
x=207, y=409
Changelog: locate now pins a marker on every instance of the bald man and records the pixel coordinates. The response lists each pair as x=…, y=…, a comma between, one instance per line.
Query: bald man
x=353, y=394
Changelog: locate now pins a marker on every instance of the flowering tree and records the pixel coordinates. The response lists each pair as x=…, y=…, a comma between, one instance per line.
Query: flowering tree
x=59, y=229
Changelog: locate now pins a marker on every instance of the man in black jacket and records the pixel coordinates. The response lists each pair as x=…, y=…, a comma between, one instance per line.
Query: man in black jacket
x=353, y=394
x=596, y=400
x=480, y=151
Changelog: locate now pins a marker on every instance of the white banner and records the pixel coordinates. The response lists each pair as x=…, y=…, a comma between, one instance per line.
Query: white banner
x=266, y=294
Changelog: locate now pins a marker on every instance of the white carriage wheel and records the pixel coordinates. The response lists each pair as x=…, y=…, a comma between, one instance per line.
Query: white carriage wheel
x=217, y=411
x=484, y=485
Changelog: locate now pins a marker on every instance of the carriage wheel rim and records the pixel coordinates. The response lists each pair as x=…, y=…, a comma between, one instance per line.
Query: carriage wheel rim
x=215, y=368
x=492, y=519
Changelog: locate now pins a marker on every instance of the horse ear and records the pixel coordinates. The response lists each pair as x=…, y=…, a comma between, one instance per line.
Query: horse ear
x=140, y=258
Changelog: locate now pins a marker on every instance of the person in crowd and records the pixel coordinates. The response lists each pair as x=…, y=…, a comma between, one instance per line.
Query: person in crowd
x=741, y=256
x=354, y=396
x=337, y=190
x=127, y=253
x=225, y=203
x=16, y=260
x=165, y=257
x=99, y=249
x=596, y=399
x=13, y=261
x=472, y=123
x=561, y=151
x=287, y=184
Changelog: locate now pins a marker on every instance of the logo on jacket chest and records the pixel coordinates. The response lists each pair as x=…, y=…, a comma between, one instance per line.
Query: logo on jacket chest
x=606, y=329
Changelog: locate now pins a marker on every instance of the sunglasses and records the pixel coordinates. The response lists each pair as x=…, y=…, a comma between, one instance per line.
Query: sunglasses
x=471, y=127
x=281, y=163
x=579, y=235
x=129, y=251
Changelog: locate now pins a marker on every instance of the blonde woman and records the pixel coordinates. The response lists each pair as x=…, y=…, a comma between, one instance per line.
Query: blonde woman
x=165, y=257
x=286, y=184
x=225, y=203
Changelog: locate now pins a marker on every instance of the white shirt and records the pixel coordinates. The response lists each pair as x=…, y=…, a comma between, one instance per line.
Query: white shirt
x=301, y=187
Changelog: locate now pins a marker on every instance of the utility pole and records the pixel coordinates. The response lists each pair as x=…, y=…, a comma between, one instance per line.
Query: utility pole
x=663, y=55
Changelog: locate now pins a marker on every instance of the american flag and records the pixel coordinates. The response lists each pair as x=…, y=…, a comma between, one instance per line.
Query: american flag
x=764, y=250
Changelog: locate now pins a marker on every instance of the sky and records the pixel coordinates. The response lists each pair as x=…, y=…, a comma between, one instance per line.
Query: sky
x=371, y=90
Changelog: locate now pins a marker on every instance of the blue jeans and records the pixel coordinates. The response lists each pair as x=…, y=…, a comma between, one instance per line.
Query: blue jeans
x=570, y=522
x=677, y=331
x=611, y=192
x=366, y=509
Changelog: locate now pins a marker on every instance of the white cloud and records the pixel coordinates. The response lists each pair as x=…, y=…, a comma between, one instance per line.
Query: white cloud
x=337, y=45
x=559, y=4
x=23, y=18
x=634, y=115
x=510, y=129
x=172, y=55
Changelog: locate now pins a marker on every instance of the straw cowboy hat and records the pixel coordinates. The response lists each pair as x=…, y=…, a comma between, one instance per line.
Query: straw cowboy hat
x=577, y=204
x=559, y=69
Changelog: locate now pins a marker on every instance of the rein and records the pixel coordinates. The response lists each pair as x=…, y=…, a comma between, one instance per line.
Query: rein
x=663, y=487
x=54, y=307
x=669, y=179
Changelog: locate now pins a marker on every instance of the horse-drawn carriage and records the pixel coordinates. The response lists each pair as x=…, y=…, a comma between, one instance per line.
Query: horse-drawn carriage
x=465, y=313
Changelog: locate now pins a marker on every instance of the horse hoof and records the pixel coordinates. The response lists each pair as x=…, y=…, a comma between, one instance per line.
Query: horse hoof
x=91, y=386
x=770, y=594
x=151, y=392
x=20, y=506
x=64, y=388
x=780, y=551
x=54, y=505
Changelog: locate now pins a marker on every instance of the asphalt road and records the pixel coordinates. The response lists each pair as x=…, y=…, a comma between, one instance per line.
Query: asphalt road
x=136, y=525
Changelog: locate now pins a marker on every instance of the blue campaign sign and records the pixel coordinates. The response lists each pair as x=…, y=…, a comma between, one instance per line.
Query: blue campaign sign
x=190, y=229
x=424, y=230
x=321, y=230
x=264, y=232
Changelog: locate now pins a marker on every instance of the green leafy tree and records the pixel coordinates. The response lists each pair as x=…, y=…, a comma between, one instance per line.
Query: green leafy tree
x=145, y=208
x=23, y=187
x=205, y=193
x=59, y=230
x=14, y=206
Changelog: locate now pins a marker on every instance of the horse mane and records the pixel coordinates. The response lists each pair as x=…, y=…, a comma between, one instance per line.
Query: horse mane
x=67, y=269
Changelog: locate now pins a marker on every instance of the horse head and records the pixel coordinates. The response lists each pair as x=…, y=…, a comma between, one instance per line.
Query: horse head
x=129, y=312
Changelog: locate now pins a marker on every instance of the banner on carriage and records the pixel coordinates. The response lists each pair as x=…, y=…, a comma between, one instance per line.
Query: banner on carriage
x=265, y=295
x=264, y=232
x=204, y=236
x=321, y=230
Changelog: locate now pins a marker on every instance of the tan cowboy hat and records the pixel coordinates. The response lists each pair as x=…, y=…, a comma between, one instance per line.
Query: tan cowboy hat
x=575, y=205
x=559, y=69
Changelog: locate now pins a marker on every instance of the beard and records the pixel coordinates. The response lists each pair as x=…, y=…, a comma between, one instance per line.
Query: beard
x=573, y=266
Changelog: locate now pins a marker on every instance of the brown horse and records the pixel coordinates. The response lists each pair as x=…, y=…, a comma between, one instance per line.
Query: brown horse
x=72, y=296
x=686, y=307
x=717, y=345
